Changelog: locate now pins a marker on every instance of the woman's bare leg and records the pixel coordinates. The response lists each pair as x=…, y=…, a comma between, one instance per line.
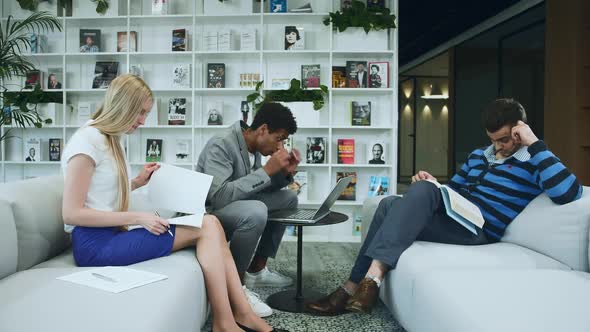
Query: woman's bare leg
x=209, y=254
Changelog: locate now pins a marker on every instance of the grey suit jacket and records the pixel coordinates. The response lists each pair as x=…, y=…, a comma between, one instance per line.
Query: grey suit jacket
x=226, y=159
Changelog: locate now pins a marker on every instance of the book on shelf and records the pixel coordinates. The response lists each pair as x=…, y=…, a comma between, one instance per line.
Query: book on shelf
x=375, y=4
x=89, y=40
x=216, y=75
x=152, y=119
x=378, y=186
x=210, y=41
x=159, y=7
x=338, y=77
x=85, y=111
x=34, y=78
x=183, y=148
x=294, y=38
x=225, y=40
x=37, y=43
x=249, y=80
x=33, y=149
x=122, y=41
x=177, y=111
x=47, y=112
x=248, y=40
x=349, y=193
x=299, y=185
x=356, y=74
x=245, y=110
x=181, y=75
x=316, y=150
x=460, y=208
x=281, y=83
x=179, y=40
x=360, y=113
x=357, y=224
x=54, y=149
x=154, y=151
x=278, y=6
x=54, y=78
x=379, y=74
x=104, y=73
x=215, y=113
x=288, y=144
x=376, y=152
x=310, y=76
x=346, y=150
x=136, y=70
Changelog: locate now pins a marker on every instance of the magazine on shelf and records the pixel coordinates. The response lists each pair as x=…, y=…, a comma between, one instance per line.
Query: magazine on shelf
x=153, y=150
x=356, y=74
x=181, y=75
x=177, y=111
x=338, y=77
x=357, y=223
x=54, y=149
x=160, y=7
x=288, y=144
x=460, y=208
x=278, y=6
x=299, y=185
x=122, y=41
x=54, y=78
x=310, y=76
x=210, y=41
x=34, y=78
x=316, y=150
x=224, y=40
x=215, y=113
x=85, y=111
x=376, y=152
x=248, y=40
x=294, y=38
x=104, y=73
x=346, y=151
x=378, y=186
x=360, y=113
x=33, y=149
x=179, y=40
x=89, y=40
x=349, y=193
x=183, y=148
x=379, y=74
x=216, y=75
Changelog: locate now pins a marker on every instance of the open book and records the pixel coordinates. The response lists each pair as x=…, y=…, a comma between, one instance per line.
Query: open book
x=181, y=190
x=460, y=208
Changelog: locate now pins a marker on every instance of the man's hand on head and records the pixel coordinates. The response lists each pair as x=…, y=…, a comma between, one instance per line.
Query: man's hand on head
x=523, y=134
x=294, y=160
x=422, y=175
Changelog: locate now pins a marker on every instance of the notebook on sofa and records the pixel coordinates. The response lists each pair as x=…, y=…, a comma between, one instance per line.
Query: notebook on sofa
x=460, y=208
x=114, y=279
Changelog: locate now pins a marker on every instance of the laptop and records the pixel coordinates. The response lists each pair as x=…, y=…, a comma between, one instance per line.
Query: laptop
x=310, y=216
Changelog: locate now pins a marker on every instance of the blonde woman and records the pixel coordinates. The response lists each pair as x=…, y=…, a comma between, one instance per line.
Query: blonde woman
x=96, y=199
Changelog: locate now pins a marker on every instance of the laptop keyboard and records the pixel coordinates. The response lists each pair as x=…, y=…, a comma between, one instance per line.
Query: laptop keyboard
x=303, y=214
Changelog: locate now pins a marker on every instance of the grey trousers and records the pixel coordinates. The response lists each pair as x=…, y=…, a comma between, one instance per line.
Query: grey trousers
x=419, y=216
x=245, y=224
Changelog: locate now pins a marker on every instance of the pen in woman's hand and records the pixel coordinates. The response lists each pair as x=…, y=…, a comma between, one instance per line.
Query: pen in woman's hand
x=169, y=232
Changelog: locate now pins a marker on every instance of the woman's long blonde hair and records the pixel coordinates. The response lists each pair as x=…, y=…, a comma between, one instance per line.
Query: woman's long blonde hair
x=122, y=105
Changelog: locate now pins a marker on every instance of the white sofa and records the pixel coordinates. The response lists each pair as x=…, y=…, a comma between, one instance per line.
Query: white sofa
x=34, y=250
x=535, y=279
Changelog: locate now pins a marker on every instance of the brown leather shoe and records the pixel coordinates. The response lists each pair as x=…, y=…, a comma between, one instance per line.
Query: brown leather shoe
x=364, y=298
x=330, y=305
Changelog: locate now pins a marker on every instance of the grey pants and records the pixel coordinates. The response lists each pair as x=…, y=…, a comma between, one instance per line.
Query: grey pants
x=245, y=223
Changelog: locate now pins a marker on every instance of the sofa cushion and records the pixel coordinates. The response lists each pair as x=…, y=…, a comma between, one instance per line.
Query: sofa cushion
x=38, y=300
x=8, y=242
x=501, y=300
x=36, y=207
x=559, y=231
x=426, y=257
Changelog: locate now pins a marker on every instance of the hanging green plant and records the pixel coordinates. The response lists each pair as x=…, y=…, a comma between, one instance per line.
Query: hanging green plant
x=357, y=15
x=294, y=93
x=101, y=6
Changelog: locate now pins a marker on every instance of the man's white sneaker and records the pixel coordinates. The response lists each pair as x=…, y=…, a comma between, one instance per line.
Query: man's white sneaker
x=260, y=308
x=266, y=278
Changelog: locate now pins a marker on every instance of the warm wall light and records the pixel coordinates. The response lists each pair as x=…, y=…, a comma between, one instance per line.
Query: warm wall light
x=432, y=92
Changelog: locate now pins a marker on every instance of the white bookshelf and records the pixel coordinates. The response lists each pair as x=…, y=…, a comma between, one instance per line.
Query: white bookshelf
x=154, y=54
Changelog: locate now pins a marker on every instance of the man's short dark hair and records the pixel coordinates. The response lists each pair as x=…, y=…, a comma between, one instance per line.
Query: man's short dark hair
x=276, y=117
x=502, y=112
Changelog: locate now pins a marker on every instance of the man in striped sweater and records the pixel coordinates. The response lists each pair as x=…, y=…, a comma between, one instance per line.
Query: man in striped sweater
x=500, y=179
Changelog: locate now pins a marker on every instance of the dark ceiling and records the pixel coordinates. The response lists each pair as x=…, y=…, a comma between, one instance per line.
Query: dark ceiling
x=425, y=24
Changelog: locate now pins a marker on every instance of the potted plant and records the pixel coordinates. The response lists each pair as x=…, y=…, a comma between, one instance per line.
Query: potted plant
x=19, y=108
x=304, y=103
x=361, y=28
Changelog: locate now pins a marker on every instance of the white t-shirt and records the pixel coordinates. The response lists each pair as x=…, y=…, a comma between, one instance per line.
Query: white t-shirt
x=103, y=190
x=252, y=158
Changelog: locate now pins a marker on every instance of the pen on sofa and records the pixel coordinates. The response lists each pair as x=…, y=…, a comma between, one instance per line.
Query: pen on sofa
x=103, y=277
x=169, y=232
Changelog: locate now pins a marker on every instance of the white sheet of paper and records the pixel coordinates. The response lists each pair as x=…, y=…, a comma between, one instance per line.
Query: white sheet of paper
x=195, y=220
x=114, y=279
x=179, y=189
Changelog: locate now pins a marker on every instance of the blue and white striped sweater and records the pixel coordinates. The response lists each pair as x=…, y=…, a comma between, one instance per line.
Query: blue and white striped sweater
x=502, y=189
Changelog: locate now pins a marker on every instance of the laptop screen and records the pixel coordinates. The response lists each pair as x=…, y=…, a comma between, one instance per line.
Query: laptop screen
x=333, y=196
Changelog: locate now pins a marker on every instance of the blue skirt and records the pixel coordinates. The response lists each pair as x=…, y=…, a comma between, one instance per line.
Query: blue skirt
x=108, y=246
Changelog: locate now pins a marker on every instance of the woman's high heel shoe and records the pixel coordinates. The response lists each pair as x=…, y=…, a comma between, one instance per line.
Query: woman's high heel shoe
x=247, y=329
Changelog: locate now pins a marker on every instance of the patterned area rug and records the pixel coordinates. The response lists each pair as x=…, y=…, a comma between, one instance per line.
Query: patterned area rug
x=325, y=266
